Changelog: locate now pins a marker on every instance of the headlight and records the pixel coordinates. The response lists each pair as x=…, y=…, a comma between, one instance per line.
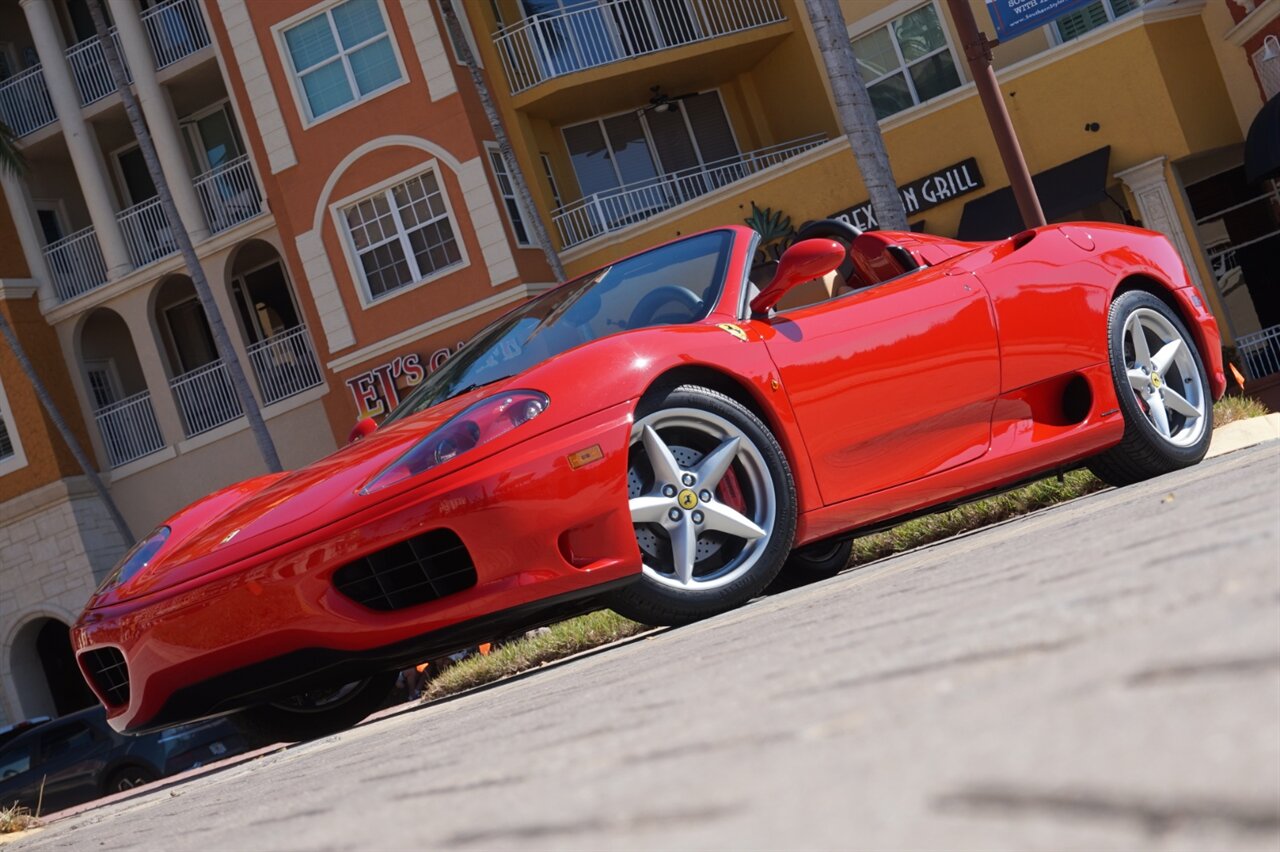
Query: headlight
x=135, y=560
x=480, y=423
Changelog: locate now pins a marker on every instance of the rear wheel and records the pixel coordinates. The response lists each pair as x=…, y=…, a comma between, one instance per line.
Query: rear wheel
x=128, y=777
x=1162, y=389
x=318, y=712
x=713, y=505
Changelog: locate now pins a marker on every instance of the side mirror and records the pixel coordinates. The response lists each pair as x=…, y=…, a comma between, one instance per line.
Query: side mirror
x=363, y=429
x=804, y=261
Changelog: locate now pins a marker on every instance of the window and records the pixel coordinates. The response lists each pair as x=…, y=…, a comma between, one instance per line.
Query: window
x=907, y=61
x=1093, y=16
x=551, y=180
x=11, y=455
x=508, y=195
x=342, y=56
x=402, y=235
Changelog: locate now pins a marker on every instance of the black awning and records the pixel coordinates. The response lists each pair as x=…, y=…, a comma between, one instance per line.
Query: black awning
x=1262, y=146
x=1063, y=190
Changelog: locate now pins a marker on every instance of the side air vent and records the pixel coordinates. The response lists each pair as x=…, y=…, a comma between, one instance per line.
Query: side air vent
x=424, y=568
x=109, y=673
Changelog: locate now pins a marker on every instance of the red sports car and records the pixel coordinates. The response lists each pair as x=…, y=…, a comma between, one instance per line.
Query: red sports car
x=662, y=436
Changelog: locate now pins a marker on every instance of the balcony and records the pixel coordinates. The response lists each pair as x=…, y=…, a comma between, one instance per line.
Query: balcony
x=604, y=212
x=205, y=398
x=176, y=30
x=285, y=365
x=146, y=232
x=89, y=69
x=545, y=46
x=76, y=264
x=229, y=194
x=25, y=105
x=1260, y=352
x=129, y=429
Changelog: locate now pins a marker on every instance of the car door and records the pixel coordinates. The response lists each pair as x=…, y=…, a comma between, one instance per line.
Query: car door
x=69, y=760
x=893, y=382
x=15, y=773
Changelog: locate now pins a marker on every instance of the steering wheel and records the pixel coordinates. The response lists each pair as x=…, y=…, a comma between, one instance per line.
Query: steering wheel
x=647, y=308
x=841, y=232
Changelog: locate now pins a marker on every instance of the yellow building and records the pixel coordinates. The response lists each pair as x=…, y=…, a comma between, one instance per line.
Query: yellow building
x=639, y=120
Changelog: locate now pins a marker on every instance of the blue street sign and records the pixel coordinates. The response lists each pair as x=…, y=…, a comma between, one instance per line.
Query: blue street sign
x=1015, y=17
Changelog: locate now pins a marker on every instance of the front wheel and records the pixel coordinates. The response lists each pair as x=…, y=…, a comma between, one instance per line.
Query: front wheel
x=1162, y=389
x=130, y=777
x=318, y=712
x=713, y=504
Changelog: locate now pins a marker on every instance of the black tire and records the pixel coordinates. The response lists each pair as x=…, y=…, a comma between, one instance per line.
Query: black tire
x=317, y=713
x=734, y=567
x=1144, y=451
x=809, y=564
x=128, y=777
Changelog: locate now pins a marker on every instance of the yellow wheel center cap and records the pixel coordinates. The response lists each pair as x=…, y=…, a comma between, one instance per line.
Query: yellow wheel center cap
x=687, y=499
x=1155, y=381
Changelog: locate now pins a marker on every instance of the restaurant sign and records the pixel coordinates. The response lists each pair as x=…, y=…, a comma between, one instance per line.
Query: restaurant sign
x=1015, y=17
x=378, y=391
x=921, y=194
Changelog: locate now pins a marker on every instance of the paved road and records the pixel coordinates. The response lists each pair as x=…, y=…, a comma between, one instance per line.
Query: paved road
x=1101, y=675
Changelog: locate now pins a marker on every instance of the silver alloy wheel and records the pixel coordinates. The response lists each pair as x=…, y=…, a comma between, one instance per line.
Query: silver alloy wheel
x=679, y=512
x=1164, y=377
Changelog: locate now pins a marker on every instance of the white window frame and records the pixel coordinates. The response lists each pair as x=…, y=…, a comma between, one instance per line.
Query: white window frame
x=493, y=151
x=18, y=460
x=884, y=18
x=353, y=256
x=1056, y=40
x=295, y=81
x=460, y=10
x=189, y=129
x=551, y=179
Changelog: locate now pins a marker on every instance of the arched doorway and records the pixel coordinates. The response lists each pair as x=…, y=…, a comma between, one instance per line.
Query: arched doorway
x=276, y=339
x=45, y=674
x=199, y=380
x=117, y=389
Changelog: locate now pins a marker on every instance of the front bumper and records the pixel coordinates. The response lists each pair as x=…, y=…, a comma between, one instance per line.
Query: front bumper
x=545, y=539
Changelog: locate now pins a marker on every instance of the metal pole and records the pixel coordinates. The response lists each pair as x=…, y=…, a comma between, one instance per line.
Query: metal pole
x=978, y=51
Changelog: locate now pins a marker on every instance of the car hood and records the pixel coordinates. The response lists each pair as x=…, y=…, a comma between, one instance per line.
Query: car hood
x=240, y=521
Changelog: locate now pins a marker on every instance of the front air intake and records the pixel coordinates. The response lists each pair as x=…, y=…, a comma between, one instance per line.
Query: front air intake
x=424, y=568
x=108, y=673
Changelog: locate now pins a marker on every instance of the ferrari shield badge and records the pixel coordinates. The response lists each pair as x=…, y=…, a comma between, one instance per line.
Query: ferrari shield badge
x=735, y=330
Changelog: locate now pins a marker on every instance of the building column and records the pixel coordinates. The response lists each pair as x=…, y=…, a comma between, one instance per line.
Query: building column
x=18, y=198
x=160, y=118
x=1150, y=188
x=82, y=142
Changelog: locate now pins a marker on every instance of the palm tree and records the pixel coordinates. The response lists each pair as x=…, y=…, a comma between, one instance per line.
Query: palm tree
x=13, y=163
x=218, y=327
x=857, y=118
x=514, y=172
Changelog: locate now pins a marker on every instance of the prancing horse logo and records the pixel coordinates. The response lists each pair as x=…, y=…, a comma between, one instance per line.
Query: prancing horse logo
x=687, y=499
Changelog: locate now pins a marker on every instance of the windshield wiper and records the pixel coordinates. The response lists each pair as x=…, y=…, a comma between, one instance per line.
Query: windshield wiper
x=474, y=385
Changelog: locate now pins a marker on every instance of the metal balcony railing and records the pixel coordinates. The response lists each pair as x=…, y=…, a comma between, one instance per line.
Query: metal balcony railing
x=175, y=29
x=617, y=208
x=229, y=194
x=89, y=68
x=25, y=105
x=146, y=232
x=285, y=364
x=591, y=33
x=76, y=264
x=205, y=398
x=1260, y=352
x=129, y=429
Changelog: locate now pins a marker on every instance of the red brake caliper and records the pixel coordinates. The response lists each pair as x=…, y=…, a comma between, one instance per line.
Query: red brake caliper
x=729, y=492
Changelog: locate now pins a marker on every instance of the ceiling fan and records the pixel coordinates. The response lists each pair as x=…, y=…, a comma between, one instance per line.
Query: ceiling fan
x=665, y=103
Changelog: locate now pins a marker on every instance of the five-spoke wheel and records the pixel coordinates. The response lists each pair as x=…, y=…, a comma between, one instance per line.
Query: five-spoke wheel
x=1162, y=390
x=712, y=502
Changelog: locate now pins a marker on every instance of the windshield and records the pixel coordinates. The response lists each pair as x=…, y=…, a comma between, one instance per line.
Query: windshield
x=671, y=285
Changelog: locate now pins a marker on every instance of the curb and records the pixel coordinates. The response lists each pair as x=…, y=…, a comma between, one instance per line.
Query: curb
x=1244, y=433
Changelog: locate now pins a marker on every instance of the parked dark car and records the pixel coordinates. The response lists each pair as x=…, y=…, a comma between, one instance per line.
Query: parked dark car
x=78, y=757
x=17, y=729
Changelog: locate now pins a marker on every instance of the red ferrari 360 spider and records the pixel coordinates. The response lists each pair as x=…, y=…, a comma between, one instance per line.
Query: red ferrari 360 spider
x=662, y=436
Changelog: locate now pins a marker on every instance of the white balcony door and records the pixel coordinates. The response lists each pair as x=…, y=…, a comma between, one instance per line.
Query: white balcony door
x=264, y=302
x=104, y=382
x=637, y=147
x=190, y=341
x=212, y=138
x=134, y=177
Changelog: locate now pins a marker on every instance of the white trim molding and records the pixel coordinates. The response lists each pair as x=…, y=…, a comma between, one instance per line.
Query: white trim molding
x=1252, y=23
x=18, y=288
x=324, y=291
x=257, y=85
x=430, y=49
